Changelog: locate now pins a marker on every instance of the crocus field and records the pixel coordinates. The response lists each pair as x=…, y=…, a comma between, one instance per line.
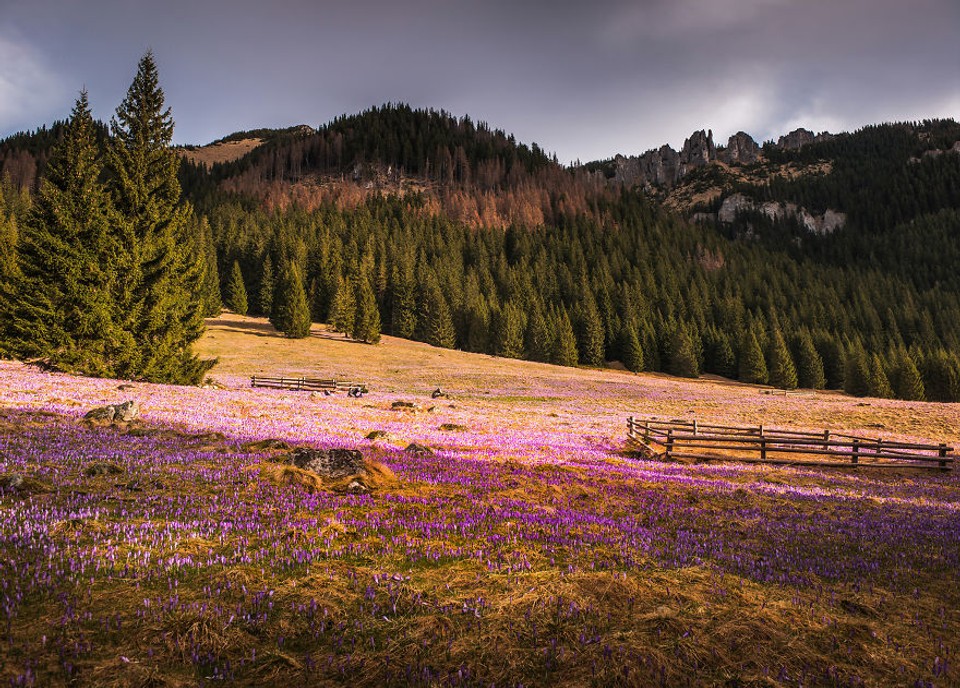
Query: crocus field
x=529, y=548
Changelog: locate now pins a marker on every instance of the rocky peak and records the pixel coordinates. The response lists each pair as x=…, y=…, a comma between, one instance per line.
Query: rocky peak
x=741, y=149
x=802, y=137
x=698, y=150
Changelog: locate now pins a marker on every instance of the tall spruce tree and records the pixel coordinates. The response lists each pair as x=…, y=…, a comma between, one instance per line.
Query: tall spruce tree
x=508, y=331
x=632, y=355
x=291, y=312
x=267, y=287
x=810, y=373
x=753, y=367
x=237, y=291
x=366, y=321
x=435, y=322
x=564, y=350
x=878, y=384
x=591, y=335
x=161, y=293
x=682, y=360
x=343, y=310
x=212, y=302
x=906, y=380
x=856, y=377
x=59, y=304
x=782, y=371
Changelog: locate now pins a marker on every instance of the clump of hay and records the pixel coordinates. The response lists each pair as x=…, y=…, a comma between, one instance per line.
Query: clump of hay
x=372, y=477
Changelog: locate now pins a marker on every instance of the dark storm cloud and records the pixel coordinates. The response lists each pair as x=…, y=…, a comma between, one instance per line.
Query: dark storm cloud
x=584, y=79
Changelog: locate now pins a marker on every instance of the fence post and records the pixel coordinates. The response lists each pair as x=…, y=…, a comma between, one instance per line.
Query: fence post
x=763, y=448
x=253, y=381
x=855, y=456
x=879, y=444
x=826, y=440
x=695, y=427
x=630, y=431
x=646, y=431
x=943, y=456
x=761, y=429
x=669, y=443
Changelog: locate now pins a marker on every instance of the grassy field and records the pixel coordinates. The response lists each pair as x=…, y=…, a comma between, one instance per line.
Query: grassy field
x=527, y=547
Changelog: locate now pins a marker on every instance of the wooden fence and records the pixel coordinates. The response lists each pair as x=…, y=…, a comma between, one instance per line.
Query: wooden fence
x=306, y=384
x=692, y=440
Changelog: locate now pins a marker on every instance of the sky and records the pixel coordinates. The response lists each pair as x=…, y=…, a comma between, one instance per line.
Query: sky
x=586, y=79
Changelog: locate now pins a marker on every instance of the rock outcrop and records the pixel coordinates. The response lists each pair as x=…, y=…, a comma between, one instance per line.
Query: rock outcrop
x=741, y=150
x=798, y=138
x=738, y=203
x=664, y=167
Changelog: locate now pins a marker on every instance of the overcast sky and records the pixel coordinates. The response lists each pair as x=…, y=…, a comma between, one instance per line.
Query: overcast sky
x=585, y=79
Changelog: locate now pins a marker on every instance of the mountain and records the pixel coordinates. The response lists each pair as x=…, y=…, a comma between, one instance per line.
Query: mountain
x=814, y=260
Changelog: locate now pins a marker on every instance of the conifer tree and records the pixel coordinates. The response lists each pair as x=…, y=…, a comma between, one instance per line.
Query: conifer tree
x=477, y=324
x=834, y=360
x=8, y=242
x=809, y=364
x=564, y=349
x=211, y=276
x=782, y=372
x=60, y=306
x=508, y=331
x=753, y=367
x=434, y=321
x=941, y=376
x=682, y=360
x=633, y=359
x=160, y=295
x=537, y=336
x=291, y=312
x=591, y=335
x=236, y=299
x=906, y=380
x=878, y=385
x=343, y=310
x=403, y=300
x=857, y=370
x=366, y=323
x=267, y=287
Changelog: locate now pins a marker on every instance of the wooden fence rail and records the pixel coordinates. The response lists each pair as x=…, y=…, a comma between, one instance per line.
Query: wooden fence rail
x=306, y=384
x=674, y=439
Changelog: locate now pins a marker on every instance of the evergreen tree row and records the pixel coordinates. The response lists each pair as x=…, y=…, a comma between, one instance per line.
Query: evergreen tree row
x=639, y=287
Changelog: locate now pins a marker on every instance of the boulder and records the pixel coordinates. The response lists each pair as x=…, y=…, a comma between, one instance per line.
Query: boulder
x=418, y=449
x=101, y=413
x=22, y=485
x=397, y=405
x=328, y=463
x=11, y=482
x=124, y=412
x=377, y=435
x=102, y=468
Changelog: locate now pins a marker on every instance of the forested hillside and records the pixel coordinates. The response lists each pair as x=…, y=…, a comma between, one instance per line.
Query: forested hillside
x=444, y=230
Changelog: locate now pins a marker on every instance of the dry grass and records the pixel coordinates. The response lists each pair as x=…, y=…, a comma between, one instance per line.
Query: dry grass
x=599, y=399
x=214, y=153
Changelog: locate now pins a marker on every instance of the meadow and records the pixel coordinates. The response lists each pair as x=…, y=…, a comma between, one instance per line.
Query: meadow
x=531, y=546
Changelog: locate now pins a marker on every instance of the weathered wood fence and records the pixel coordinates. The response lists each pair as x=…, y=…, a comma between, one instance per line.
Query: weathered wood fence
x=691, y=440
x=306, y=384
